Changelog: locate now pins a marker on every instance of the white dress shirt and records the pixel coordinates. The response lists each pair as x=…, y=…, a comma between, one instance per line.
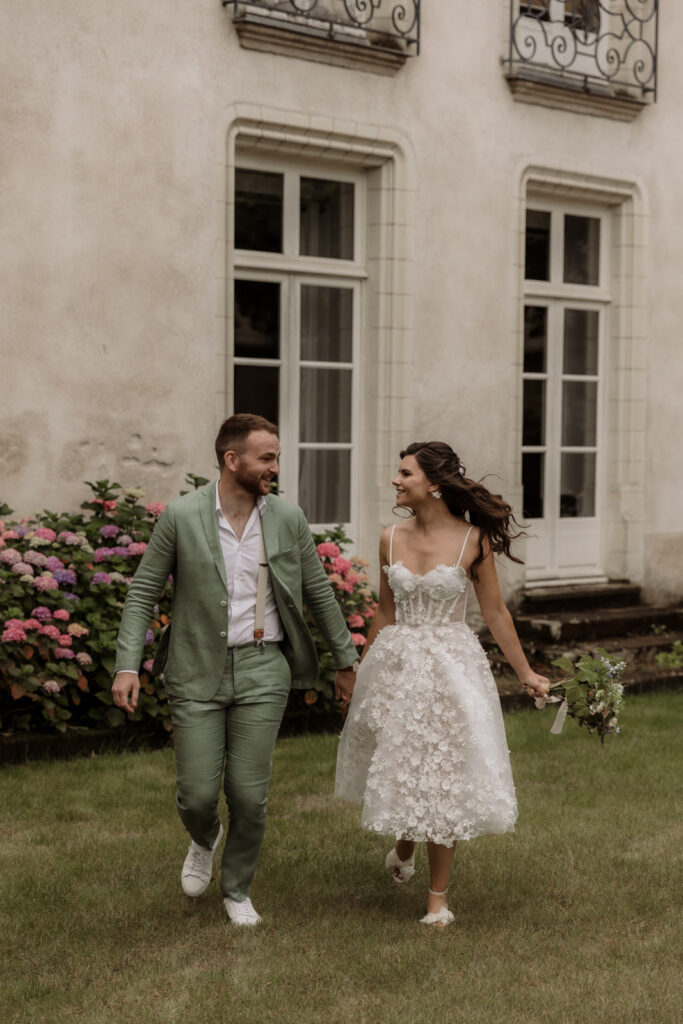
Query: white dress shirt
x=241, y=571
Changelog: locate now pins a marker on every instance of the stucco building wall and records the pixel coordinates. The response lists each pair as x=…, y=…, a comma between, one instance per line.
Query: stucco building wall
x=116, y=123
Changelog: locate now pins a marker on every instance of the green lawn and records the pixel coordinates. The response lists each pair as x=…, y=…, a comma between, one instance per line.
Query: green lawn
x=574, y=918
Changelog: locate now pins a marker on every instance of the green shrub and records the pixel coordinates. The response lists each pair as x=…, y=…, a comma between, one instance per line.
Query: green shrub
x=63, y=582
x=672, y=658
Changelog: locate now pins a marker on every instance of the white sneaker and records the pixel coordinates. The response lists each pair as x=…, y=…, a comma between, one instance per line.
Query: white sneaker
x=196, y=873
x=241, y=913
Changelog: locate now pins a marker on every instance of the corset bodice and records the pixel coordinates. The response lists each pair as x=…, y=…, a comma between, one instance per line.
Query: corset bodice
x=435, y=599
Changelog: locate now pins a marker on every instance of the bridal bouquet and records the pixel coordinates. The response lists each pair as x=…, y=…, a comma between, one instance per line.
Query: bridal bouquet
x=592, y=692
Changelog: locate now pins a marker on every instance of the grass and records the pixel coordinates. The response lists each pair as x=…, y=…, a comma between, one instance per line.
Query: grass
x=574, y=918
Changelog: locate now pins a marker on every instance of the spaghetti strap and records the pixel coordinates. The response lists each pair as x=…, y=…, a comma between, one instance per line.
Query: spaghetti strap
x=467, y=537
x=391, y=543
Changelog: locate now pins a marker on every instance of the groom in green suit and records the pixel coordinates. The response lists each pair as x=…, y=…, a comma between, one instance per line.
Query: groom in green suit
x=235, y=646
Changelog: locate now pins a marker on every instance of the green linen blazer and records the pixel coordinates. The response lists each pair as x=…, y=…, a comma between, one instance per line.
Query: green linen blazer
x=185, y=544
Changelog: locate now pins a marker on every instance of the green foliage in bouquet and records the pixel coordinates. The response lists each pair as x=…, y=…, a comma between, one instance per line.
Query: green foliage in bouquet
x=593, y=691
x=63, y=582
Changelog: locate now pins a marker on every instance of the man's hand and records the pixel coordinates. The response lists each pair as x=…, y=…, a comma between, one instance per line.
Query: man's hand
x=344, y=682
x=125, y=690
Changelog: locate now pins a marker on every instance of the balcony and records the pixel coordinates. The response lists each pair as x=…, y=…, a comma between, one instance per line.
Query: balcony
x=589, y=56
x=368, y=35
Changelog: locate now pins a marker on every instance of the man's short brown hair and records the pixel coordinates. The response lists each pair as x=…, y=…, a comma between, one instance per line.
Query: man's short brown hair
x=236, y=429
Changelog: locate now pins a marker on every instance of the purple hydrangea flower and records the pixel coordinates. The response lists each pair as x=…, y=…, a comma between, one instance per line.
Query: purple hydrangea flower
x=149, y=637
x=121, y=551
x=102, y=577
x=41, y=613
x=71, y=597
x=53, y=563
x=66, y=576
x=64, y=652
x=101, y=554
x=110, y=530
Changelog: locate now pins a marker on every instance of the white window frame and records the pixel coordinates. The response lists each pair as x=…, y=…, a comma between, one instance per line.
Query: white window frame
x=557, y=295
x=291, y=271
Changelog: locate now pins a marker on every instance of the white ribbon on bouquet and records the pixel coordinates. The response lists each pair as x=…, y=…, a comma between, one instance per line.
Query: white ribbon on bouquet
x=561, y=715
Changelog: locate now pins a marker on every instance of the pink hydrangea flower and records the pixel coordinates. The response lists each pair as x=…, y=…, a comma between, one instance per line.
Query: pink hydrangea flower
x=41, y=612
x=35, y=558
x=148, y=664
x=22, y=569
x=65, y=640
x=356, y=621
x=46, y=533
x=64, y=653
x=68, y=537
x=352, y=578
x=51, y=686
x=341, y=565
x=76, y=629
x=101, y=554
x=62, y=614
x=53, y=563
x=335, y=578
x=155, y=508
x=83, y=658
x=358, y=639
x=10, y=555
x=10, y=535
x=101, y=577
x=45, y=581
x=137, y=548
x=125, y=539
x=52, y=631
x=345, y=586
x=328, y=550
x=32, y=624
x=14, y=631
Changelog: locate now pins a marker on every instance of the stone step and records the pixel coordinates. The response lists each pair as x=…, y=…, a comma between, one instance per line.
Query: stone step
x=645, y=647
x=545, y=600
x=595, y=624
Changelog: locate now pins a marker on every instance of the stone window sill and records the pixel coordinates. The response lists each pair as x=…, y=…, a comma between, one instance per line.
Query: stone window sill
x=313, y=39
x=548, y=90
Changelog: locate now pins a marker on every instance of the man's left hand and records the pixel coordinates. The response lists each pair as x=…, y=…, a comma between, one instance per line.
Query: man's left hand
x=343, y=685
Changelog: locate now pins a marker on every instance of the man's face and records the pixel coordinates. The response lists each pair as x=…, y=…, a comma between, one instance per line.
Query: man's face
x=258, y=464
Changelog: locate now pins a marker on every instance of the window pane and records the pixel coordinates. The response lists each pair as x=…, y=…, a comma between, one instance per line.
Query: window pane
x=532, y=481
x=580, y=341
x=577, y=496
x=256, y=390
x=579, y=412
x=327, y=324
x=535, y=338
x=325, y=405
x=533, y=429
x=537, y=262
x=581, y=250
x=258, y=210
x=326, y=218
x=257, y=319
x=325, y=485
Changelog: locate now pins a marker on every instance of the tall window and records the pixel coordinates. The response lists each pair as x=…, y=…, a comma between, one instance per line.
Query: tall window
x=298, y=277
x=565, y=309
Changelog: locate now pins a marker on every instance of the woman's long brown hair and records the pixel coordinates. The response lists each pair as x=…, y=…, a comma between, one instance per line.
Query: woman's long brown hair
x=467, y=497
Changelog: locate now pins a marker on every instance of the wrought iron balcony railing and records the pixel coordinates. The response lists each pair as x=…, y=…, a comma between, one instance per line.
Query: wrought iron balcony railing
x=602, y=46
x=391, y=25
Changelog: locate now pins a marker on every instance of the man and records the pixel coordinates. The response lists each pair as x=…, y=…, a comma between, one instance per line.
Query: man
x=235, y=647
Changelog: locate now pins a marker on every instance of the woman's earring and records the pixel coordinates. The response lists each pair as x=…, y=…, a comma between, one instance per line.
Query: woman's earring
x=436, y=493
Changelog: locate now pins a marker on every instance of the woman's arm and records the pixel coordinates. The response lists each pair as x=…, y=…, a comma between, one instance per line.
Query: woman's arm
x=385, y=612
x=500, y=623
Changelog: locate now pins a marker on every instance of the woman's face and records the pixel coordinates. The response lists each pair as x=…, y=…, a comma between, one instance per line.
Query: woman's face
x=412, y=486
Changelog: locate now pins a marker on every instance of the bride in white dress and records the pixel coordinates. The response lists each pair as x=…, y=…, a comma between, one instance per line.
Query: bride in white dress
x=423, y=748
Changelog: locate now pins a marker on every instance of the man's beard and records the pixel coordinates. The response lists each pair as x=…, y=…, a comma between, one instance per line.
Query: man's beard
x=249, y=482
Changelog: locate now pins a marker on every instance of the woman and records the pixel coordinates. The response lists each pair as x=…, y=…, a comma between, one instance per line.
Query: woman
x=424, y=748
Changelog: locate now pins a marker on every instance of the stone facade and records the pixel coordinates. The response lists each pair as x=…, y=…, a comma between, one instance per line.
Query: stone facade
x=122, y=127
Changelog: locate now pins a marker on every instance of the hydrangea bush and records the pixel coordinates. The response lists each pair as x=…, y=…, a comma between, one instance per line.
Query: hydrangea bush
x=63, y=581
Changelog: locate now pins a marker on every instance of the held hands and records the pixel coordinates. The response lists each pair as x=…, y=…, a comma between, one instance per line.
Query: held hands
x=125, y=690
x=535, y=685
x=343, y=685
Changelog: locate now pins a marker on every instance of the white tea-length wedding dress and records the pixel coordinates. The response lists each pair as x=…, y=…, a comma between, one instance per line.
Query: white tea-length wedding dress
x=423, y=747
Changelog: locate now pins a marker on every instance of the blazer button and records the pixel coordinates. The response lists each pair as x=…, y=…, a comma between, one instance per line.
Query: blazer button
x=223, y=633
x=224, y=604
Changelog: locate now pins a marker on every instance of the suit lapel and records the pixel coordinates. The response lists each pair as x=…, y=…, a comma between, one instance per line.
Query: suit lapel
x=269, y=527
x=208, y=516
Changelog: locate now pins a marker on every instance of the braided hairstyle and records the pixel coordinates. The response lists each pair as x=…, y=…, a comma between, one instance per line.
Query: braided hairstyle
x=463, y=496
